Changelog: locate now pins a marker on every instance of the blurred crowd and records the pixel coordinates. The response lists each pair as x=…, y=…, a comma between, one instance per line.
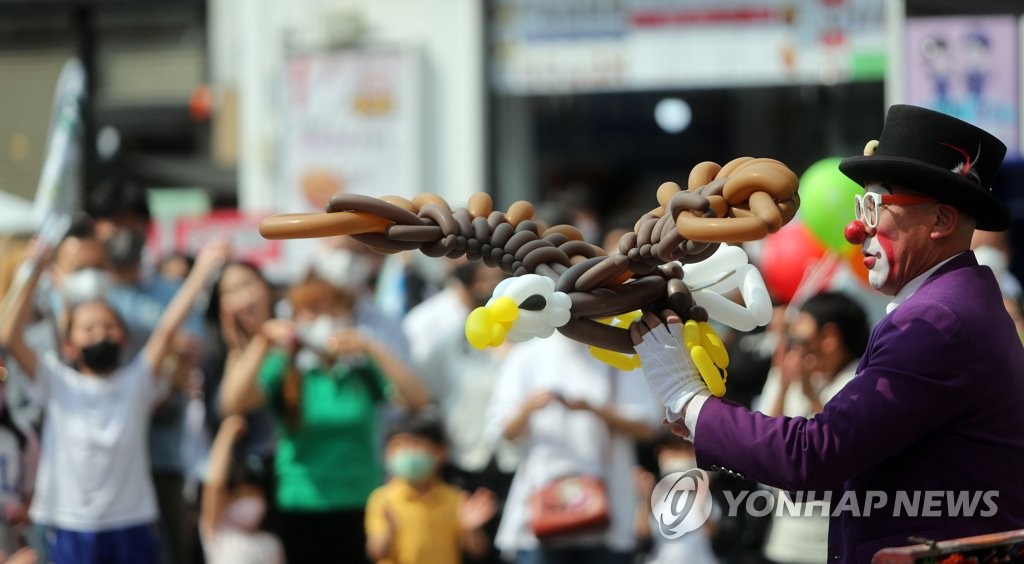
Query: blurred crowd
x=187, y=410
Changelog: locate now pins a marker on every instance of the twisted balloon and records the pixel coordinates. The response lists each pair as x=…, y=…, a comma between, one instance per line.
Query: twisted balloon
x=744, y=200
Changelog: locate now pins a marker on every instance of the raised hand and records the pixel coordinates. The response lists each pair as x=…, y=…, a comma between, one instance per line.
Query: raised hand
x=477, y=509
x=347, y=342
x=281, y=332
x=212, y=256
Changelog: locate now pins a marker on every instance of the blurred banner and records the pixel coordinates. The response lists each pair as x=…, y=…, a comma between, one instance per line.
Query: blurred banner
x=58, y=182
x=966, y=67
x=187, y=234
x=241, y=230
x=594, y=45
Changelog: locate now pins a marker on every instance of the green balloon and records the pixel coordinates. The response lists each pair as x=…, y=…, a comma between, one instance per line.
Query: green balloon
x=826, y=202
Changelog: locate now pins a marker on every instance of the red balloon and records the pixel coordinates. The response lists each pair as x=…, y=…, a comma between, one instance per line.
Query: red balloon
x=784, y=258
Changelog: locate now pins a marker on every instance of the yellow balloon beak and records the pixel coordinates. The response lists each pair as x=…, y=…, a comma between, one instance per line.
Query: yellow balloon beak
x=487, y=326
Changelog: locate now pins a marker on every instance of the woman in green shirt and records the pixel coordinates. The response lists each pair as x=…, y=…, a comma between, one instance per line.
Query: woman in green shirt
x=323, y=381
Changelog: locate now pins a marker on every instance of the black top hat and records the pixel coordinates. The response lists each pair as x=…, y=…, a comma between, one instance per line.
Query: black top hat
x=938, y=155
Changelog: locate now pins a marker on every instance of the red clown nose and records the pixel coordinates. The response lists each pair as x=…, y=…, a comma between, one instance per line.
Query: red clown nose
x=855, y=233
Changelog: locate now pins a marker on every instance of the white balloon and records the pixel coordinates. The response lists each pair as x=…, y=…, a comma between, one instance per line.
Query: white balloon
x=726, y=259
x=501, y=289
x=725, y=311
x=523, y=287
x=755, y=294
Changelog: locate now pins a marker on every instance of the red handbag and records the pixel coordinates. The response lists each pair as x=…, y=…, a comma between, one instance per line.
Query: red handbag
x=577, y=503
x=568, y=505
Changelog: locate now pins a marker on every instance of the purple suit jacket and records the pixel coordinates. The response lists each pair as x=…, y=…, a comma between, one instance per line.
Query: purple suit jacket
x=937, y=404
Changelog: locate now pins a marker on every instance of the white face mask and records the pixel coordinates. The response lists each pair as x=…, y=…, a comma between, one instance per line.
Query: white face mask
x=86, y=285
x=246, y=512
x=993, y=258
x=317, y=333
x=344, y=269
x=314, y=336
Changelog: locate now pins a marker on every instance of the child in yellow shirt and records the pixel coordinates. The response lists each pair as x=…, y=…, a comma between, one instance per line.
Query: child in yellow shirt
x=416, y=517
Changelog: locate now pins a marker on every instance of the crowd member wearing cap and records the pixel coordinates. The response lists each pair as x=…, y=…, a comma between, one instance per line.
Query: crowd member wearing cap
x=934, y=406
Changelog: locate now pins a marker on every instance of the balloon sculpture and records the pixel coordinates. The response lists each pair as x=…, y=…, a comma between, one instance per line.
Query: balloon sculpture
x=561, y=282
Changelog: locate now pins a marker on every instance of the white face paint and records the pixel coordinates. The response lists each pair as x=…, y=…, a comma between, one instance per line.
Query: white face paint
x=875, y=256
x=877, y=262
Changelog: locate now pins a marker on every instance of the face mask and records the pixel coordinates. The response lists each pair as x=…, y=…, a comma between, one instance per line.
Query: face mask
x=992, y=258
x=125, y=247
x=412, y=465
x=344, y=269
x=102, y=357
x=317, y=333
x=246, y=512
x=314, y=336
x=86, y=285
x=306, y=360
x=670, y=465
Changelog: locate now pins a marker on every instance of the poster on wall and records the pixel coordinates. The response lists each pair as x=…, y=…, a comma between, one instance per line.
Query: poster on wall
x=351, y=123
x=966, y=67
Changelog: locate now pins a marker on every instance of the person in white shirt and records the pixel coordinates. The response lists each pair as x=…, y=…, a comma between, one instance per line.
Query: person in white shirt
x=94, y=484
x=571, y=415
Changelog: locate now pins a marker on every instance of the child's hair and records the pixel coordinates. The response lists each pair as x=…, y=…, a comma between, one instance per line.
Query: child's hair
x=423, y=424
x=313, y=290
x=247, y=471
x=69, y=316
x=82, y=227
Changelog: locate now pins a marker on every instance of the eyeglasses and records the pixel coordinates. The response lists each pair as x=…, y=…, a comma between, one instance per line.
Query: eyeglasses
x=866, y=207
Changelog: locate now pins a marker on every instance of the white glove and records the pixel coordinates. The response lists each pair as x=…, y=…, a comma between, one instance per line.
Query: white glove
x=668, y=368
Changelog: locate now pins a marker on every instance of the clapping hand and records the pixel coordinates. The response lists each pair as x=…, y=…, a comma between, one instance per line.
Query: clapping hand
x=477, y=510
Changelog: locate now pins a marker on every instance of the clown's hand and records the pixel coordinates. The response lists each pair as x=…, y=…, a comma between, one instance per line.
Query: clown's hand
x=666, y=362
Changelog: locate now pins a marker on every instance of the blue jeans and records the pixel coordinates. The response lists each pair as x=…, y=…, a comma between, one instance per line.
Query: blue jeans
x=132, y=545
x=573, y=555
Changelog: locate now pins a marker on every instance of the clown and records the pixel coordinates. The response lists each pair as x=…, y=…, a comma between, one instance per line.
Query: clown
x=934, y=405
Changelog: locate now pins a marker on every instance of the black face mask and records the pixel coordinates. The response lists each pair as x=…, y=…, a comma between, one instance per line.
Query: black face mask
x=125, y=247
x=101, y=357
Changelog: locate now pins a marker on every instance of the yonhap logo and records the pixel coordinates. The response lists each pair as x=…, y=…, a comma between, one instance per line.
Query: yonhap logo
x=681, y=503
